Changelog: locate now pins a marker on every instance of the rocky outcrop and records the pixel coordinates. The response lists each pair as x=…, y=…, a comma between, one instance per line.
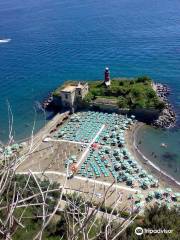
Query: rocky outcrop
x=47, y=103
x=167, y=117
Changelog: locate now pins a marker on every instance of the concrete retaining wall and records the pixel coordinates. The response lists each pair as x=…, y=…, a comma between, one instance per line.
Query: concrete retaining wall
x=144, y=115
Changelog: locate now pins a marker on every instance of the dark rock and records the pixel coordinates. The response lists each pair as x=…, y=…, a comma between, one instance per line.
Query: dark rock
x=167, y=117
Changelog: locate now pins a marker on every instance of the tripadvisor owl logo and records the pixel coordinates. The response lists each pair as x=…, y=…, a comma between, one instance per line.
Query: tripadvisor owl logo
x=139, y=231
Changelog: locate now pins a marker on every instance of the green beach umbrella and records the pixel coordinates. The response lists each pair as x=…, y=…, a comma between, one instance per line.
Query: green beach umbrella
x=151, y=194
x=140, y=204
x=139, y=196
x=130, y=196
x=168, y=190
x=73, y=157
x=177, y=194
x=15, y=146
x=168, y=205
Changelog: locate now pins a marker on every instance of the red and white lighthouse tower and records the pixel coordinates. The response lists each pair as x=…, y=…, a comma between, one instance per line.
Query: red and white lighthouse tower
x=107, y=79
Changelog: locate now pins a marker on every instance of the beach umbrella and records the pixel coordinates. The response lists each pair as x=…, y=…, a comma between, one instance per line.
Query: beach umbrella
x=151, y=194
x=158, y=202
x=129, y=181
x=177, y=196
x=168, y=190
x=139, y=204
x=107, y=147
x=139, y=196
x=146, y=182
x=8, y=151
x=117, y=166
x=8, y=148
x=124, y=152
x=168, y=205
x=116, y=127
x=158, y=194
x=106, y=136
x=142, y=174
x=73, y=157
x=118, y=158
x=130, y=196
x=117, y=150
x=168, y=200
x=113, y=133
x=150, y=177
x=177, y=205
x=15, y=146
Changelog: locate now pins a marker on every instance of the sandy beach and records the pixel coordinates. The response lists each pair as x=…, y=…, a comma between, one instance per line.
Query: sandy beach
x=51, y=154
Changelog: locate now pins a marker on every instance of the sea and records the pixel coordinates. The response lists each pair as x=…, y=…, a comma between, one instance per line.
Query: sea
x=49, y=42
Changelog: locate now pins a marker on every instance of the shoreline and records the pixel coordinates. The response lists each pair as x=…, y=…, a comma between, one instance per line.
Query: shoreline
x=165, y=180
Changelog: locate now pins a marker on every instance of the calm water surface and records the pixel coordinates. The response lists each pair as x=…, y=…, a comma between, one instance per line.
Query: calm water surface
x=53, y=41
x=149, y=141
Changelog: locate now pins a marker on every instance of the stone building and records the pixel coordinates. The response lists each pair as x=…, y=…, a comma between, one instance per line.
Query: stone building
x=72, y=95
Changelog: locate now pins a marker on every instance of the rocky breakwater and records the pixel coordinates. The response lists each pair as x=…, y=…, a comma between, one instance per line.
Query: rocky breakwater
x=47, y=103
x=167, y=117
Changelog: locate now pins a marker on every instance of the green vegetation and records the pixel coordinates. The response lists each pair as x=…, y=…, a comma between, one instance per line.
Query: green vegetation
x=110, y=210
x=136, y=93
x=155, y=218
x=30, y=221
x=61, y=225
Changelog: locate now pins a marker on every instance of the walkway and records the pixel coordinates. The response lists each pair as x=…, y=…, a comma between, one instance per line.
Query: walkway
x=107, y=184
x=63, y=140
x=81, y=143
x=90, y=144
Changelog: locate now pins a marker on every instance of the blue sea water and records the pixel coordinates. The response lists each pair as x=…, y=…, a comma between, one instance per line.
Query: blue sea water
x=54, y=41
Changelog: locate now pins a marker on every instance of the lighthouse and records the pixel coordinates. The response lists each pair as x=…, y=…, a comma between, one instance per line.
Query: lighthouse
x=107, y=80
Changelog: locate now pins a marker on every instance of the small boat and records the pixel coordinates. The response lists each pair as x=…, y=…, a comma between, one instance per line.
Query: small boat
x=163, y=145
x=5, y=40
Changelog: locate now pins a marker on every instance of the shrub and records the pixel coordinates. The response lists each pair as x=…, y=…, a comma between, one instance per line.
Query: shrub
x=130, y=94
x=143, y=79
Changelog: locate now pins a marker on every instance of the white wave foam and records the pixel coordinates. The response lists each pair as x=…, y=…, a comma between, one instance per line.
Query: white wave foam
x=5, y=40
